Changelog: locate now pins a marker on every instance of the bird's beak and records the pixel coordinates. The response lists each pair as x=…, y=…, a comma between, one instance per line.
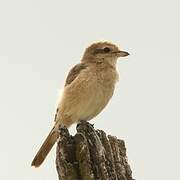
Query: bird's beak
x=122, y=53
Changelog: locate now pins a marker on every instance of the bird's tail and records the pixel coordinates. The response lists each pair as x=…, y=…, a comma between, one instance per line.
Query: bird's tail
x=45, y=148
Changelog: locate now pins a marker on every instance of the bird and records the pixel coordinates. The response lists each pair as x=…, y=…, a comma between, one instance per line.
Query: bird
x=88, y=88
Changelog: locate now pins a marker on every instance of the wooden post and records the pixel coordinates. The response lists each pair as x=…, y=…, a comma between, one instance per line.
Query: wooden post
x=91, y=155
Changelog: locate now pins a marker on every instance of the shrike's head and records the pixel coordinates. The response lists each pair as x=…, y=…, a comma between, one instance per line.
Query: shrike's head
x=103, y=51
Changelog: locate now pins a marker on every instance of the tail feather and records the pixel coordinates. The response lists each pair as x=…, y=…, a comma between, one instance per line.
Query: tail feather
x=45, y=148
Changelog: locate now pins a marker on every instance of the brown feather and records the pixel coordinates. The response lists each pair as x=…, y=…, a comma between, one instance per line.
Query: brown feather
x=45, y=148
x=74, y=72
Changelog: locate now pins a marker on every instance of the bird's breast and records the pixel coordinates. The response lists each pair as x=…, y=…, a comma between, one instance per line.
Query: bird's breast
x=87, y=96
x=101, y=91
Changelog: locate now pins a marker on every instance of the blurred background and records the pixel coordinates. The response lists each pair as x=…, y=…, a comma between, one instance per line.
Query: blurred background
x=41, y=40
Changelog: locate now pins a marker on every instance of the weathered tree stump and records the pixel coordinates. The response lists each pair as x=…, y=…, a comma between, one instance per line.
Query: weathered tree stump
x=91, y=155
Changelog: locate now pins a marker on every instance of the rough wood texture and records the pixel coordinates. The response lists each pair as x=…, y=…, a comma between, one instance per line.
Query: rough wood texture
x=91, y=155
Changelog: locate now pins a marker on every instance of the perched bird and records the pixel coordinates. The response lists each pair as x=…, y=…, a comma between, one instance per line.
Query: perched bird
x=88, y=88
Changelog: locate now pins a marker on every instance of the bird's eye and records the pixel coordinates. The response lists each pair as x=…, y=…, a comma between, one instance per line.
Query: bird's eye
x=106, y=49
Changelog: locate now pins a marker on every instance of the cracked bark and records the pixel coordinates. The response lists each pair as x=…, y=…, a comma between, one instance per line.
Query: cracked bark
x=91, y=155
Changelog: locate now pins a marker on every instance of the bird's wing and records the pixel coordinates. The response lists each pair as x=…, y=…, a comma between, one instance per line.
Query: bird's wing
x=74, y=72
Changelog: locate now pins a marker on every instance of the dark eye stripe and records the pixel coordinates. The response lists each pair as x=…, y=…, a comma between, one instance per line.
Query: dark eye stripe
x=96, y=51
x=105, y=50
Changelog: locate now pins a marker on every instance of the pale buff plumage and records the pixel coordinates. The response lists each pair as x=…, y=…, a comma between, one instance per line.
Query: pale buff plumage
x=89, y=87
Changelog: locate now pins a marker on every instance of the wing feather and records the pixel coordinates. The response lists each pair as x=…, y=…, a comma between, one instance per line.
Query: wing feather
x=74, y=72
